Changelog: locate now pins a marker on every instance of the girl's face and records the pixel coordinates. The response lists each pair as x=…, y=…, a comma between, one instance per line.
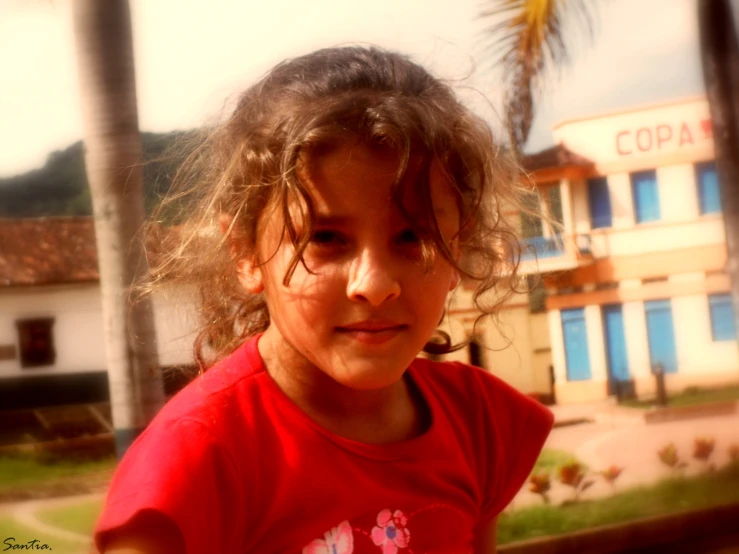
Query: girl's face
x=371, y=302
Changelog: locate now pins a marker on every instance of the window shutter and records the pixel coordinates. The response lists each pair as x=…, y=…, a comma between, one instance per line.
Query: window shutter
x=722, y=317
x=646, y=196
x=575, y=335
x=600, y=203
x=708, y=188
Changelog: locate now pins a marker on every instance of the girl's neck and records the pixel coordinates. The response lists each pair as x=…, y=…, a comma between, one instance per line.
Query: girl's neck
x=386, y=415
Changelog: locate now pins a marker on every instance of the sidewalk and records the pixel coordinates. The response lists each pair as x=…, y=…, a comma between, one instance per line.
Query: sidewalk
x=570, y=414
x=26, y=512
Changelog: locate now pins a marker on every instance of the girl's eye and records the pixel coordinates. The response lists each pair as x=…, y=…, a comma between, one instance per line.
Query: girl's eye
x=409, y=236
x=325, y=238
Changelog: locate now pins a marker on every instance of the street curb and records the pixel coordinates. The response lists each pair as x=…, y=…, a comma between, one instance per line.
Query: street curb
x=679, y=413
x=672, y=529
x=572, y=421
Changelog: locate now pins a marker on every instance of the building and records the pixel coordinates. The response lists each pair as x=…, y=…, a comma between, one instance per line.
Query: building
x=51, y=323
x=635, y=279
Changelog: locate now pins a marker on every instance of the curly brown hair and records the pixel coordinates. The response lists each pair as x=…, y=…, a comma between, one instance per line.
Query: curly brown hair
x=248, y=164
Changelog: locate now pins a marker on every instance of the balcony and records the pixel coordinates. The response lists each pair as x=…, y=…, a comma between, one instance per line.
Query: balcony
x=541, y=247
x=556, y=253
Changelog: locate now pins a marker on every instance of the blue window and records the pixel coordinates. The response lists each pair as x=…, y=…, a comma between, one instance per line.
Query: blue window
x=646, y=196
x=575, y=337
x=708, y=191
x=600, y=202
x=617, y=357
x=723, y=326
x=661, y=335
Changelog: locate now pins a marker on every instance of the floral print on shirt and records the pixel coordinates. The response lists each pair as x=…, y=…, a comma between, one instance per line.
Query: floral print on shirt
x=338, y=540
x=391, y=532
x=435, y=528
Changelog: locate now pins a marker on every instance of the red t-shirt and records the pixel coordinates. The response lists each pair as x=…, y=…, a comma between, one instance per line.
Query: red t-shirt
x=239, y=468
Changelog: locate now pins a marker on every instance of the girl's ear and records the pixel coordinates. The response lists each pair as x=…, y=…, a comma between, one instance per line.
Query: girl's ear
x=456, y=278
x=249, y=274
x=247, y=269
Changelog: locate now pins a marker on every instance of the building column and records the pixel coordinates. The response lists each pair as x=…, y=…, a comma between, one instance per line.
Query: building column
x=579, y=208
x=637, y=347
x=558, y=347
x=565, y=193
x=622, y=205
x=596, y=344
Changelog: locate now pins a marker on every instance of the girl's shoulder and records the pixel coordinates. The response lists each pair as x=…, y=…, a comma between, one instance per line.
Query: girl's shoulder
x=505, y=428
x=189, y=451
x=219, y=390
x=474, y=391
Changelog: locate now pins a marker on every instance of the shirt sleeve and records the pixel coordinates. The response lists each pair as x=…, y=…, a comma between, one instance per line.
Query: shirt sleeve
x=514, y=428
x=177, y=469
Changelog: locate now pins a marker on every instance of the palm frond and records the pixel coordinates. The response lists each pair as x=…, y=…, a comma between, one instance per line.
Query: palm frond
x=527, y=39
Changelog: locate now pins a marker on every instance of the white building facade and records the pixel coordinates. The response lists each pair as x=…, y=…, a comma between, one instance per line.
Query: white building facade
x=52, y=348
x=648, y=290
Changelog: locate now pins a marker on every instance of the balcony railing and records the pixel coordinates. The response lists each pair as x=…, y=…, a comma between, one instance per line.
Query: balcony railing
x=556, y=253
x=542, y=247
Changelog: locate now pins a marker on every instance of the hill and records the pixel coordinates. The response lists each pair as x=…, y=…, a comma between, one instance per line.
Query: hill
x=60, y=186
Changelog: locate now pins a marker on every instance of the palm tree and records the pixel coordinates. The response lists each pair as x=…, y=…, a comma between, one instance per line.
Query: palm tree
x=527, y=39
x=102, y=30
x=720, y=60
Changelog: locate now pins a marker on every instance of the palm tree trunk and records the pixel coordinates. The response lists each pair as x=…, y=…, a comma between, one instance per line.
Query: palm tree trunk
x=105, y=61
x=720, y=58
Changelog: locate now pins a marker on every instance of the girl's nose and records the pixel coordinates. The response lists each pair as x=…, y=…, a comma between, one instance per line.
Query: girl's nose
x=372, y=279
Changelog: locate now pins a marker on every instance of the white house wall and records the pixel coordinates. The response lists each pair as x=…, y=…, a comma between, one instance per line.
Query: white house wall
x=77, y=329
x=176, y=322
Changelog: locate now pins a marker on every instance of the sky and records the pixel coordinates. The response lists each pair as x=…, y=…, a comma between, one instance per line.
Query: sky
x=192, y=56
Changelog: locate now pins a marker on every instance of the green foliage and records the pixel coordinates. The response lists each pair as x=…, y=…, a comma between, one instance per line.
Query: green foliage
x=79, y=518
x=22, y=534
x=21, y=471
x=60, y=188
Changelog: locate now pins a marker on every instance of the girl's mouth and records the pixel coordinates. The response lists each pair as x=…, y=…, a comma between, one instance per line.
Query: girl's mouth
x=371, y=334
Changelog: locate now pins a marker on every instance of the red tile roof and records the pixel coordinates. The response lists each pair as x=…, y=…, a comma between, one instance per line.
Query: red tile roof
x=556, y=156
x=47, y=250
x=57, y=250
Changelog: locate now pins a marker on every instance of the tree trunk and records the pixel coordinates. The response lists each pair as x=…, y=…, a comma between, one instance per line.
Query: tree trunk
x=105, y=62
x=720, y=58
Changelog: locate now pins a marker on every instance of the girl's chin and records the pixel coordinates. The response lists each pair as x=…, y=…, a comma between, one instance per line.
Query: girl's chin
x=368, y=383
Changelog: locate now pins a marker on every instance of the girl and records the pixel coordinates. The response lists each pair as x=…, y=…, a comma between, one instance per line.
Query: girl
x=346, y=196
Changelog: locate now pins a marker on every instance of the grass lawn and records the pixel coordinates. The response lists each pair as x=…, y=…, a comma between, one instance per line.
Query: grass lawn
x=691, y=397
x=79, y=518
x=668, y=496
x=22, y=536
x=23, y=471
